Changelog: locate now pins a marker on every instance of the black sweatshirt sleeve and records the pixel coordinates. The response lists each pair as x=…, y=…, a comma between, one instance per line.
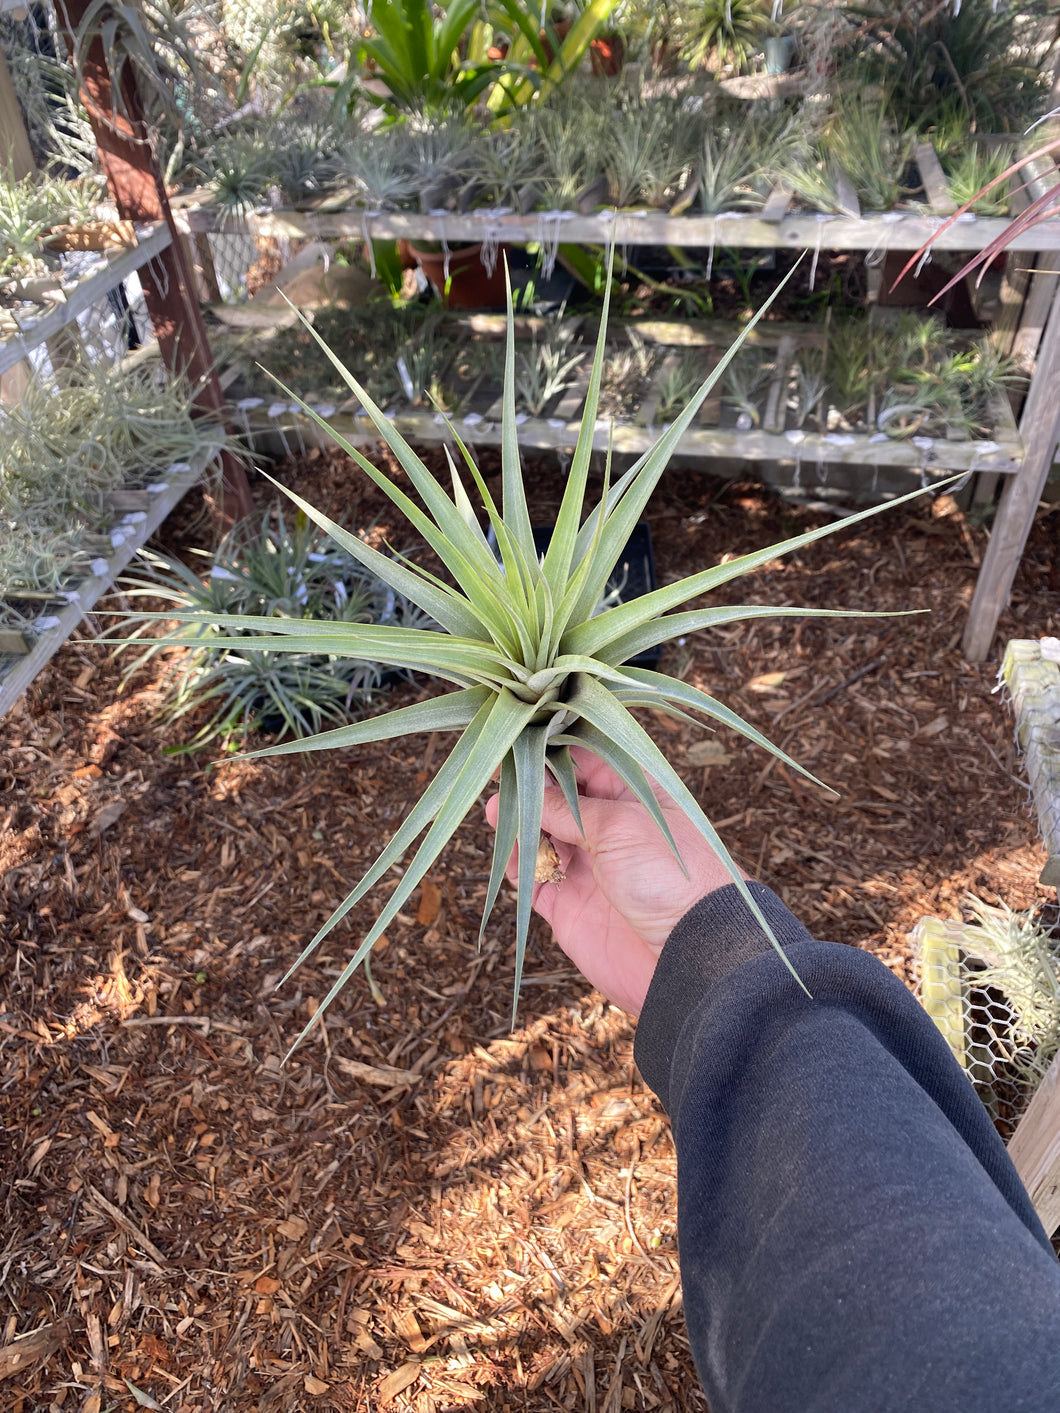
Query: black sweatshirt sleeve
x=852, y=1233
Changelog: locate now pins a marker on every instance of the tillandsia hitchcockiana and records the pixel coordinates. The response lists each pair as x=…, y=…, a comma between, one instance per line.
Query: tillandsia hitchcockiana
x=536, y=669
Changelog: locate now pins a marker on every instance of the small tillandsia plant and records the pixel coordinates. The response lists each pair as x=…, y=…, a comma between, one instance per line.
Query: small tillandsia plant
x=534, y=671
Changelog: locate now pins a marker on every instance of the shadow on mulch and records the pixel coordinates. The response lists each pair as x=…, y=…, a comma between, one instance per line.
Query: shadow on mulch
x=423, y=1211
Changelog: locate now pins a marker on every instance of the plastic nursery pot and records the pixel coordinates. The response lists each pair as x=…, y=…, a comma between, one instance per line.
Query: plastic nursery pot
x=779, y=50
x=607, y=54
x=467, y=284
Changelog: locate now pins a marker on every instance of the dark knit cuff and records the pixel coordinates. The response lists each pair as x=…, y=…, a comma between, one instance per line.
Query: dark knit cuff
x=713, y=938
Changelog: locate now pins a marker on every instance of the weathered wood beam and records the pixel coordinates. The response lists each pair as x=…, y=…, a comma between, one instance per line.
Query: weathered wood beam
x=126, y=155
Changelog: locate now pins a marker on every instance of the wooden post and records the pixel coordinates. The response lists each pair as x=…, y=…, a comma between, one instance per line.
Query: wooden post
x=16, y=155
x=1035, y=1148
x=1040, y=431
x=137, y=187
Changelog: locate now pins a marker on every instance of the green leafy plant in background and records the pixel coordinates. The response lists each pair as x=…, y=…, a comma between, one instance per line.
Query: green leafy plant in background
x=532, y=70
x=413, y=49
x=935, y=60
x=729, y=31
x=534, y=668
x=274, y=569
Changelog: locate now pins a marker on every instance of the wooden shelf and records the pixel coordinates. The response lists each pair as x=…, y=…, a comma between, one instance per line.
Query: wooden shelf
x=1001, y=456
x=20, y=671
x=894, y=230
x=87, y=291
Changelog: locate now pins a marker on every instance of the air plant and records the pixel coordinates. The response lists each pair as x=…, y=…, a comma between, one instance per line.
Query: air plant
x=545, y=370
x=572, y=133
x=626, y=370
x=534, y=672
x=848, y=366
x=422, y=359
x=731, y=157
x=378, y=167
x=811, y=384
x=678, y=381
x=274, y=570
x=745, y=377
x=237, y=170
x=1022, y=962
x=862, y=142
x=643, y=156
x=974, y=168
x=302, y=158
x=728, y=30
x=500, y=166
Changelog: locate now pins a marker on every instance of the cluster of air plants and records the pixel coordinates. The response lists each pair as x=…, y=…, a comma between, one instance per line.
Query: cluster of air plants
x=858, y=144
x=30, y=208
x=534, y=668
x=45, y=85
x=63, y=448
x=915, y=378
x=403, y=354
x=277, y=568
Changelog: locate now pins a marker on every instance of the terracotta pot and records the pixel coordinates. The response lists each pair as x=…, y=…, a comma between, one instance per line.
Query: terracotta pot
x=607, y=54
x=470, y=287
x=560, y=30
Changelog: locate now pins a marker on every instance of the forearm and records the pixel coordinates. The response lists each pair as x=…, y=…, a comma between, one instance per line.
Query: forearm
x=852, y=1232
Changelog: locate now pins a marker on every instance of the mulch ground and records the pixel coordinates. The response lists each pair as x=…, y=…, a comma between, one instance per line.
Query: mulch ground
x=423, y=1210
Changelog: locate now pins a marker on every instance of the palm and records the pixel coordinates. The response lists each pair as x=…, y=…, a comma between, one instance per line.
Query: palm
x=623, y=891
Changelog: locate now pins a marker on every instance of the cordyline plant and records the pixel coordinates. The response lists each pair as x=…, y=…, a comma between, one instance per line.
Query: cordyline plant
x=536, y=668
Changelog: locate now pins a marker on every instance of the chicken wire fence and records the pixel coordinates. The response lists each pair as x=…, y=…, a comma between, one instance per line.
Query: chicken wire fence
x=225, y=263
x=991, y=981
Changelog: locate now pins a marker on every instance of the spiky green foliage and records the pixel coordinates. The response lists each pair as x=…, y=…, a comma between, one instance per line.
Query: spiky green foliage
x=271, y=568
x=535, y=668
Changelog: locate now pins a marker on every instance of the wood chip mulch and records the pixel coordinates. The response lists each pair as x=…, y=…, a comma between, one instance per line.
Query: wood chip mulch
x=423, y=1210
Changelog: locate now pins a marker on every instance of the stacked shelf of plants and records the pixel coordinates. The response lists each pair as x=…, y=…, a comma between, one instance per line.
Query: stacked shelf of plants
x=97, y=442
x=443, y=153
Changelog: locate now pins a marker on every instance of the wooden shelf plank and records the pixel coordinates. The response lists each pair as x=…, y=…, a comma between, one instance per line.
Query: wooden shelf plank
x=934, y=179
x=894, y=230
x=86, y=292
x=22, y=670
x=1035, y=1149
x=1001, y=455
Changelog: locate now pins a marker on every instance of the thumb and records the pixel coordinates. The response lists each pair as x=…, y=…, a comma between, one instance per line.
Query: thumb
x=558, y=821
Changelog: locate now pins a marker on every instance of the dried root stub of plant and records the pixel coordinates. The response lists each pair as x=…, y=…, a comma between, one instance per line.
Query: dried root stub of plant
x=533, y=668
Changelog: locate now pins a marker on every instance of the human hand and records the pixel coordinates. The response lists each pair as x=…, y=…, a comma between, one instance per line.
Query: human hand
x=623, y=891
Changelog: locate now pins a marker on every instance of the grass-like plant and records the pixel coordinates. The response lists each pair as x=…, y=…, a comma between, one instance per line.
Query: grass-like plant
x=275, y=569
x=534, y=668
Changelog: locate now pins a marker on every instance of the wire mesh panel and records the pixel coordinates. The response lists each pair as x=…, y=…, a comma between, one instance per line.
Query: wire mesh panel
x=992, y=986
